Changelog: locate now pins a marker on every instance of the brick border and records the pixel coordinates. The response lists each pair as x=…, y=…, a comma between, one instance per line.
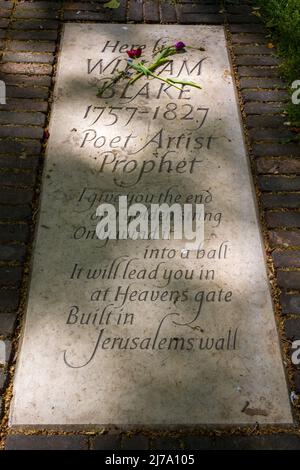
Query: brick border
x=29, y=36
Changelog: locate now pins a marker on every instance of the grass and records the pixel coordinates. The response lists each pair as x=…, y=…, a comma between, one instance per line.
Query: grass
x=282, y=17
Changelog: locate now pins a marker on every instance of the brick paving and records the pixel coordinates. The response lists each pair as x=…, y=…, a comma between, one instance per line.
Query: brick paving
x=29, y=38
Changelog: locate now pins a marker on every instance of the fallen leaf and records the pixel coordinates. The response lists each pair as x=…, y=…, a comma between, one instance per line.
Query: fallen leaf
x=46, y=134
x=112, y=4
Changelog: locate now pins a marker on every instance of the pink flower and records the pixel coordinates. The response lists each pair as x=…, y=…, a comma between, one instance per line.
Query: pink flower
x=179, y=46
x=134, y=53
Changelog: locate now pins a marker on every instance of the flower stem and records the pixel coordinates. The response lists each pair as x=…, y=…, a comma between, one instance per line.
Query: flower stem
x=166, y=80
x=150, y=68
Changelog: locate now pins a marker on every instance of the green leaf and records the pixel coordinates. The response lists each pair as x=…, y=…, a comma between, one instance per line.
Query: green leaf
x=113, y=4
x=166, y=52
x=140, y=68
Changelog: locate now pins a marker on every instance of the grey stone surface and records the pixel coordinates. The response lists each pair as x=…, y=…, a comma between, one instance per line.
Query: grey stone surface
x=23, y=442
x=270, y=442
x=2, y=352
x=135, y=443
x=2, y=379
x=166, y=443
x=5, y=350
x=96, y=349
x=106, y=442
x=7, y=323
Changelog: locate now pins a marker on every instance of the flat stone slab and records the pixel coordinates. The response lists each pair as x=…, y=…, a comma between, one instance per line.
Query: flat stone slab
x=147, y=332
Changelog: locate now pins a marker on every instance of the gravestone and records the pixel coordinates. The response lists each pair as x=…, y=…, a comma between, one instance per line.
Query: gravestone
x=147, y=332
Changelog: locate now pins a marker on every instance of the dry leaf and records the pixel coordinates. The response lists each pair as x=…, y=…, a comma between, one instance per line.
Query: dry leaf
x=46, y=134
x=112, y=4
